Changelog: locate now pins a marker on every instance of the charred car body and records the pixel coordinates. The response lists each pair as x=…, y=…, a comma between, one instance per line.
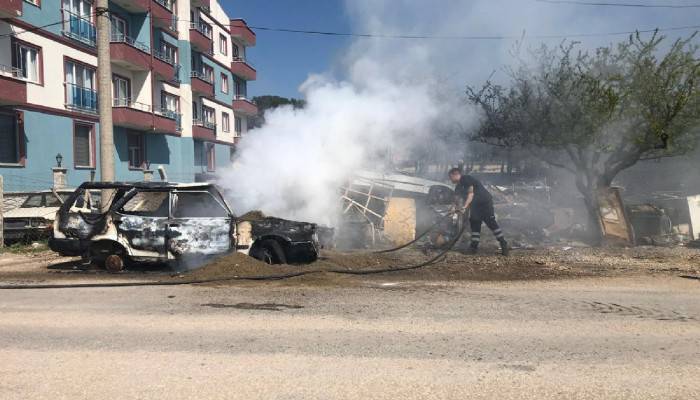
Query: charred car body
x=170, y=222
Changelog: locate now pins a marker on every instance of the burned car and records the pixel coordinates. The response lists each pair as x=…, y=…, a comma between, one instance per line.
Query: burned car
x=170, y=222
x=33, y=220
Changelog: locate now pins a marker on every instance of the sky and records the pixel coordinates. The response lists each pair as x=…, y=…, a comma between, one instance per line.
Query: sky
x=285, y=60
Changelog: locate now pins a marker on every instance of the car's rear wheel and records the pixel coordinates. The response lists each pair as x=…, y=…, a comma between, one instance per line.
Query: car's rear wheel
x=114, y=263
x=270, y=252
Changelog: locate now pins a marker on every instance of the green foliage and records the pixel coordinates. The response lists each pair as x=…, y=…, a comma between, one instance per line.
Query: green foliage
x=266, y=103
x=597, y=113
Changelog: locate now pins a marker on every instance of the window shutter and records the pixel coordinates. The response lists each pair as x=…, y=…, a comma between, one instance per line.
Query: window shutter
x=82, y=145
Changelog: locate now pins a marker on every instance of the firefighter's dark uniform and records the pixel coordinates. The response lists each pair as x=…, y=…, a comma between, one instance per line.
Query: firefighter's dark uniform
x=481, y=211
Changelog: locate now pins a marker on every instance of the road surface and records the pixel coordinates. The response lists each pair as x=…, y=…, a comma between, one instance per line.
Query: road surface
x=611, y=338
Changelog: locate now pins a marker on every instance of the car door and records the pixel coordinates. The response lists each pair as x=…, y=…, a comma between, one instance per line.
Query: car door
x=200, y=225
x=143, y=221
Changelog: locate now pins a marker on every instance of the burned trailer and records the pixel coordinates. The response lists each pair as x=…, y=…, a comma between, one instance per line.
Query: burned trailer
x=154, y=222
x=393, y=207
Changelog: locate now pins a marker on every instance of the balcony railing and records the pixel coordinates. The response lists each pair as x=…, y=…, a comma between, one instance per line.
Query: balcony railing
x=81, y=98
x=167, y=4
x=202, y=28
x=201, y=76
x=163, y=57
x=79, y=27
x=11, y=72
x=243, y=60
x=204, y=124
x=174, y=115
x=123, y=102
x=121, y=38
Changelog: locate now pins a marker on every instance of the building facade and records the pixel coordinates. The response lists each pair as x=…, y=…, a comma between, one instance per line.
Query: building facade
x=179, y=89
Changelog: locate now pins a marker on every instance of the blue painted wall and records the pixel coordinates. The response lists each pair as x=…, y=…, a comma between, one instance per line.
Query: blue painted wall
x=38, y=16
x=185, y=54
x=139, y=24
x=48, y=134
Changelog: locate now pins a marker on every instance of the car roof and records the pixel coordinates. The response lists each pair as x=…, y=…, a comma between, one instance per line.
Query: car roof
x=145, y=185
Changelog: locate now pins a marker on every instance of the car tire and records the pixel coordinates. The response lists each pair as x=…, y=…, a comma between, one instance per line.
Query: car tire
x=270, y=252
x=114, y=263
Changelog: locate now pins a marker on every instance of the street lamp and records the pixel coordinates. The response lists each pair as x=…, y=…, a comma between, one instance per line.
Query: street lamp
x=59, y=159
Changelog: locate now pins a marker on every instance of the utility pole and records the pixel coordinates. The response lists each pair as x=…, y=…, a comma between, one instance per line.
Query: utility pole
x=104, y=77
x=2, y=206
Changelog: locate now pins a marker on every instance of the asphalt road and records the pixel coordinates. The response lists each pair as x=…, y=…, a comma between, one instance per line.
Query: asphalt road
x=613, y=338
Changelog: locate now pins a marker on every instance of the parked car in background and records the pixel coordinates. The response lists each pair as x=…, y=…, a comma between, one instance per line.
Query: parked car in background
x=33, y=220
x=173, y=223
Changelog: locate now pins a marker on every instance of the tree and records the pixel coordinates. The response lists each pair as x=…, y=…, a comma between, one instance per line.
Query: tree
x=597, y=113
x=266, y=103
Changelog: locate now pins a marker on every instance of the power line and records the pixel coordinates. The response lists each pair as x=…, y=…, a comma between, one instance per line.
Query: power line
x=494, y=37
x=430, y=37
x=601, y=4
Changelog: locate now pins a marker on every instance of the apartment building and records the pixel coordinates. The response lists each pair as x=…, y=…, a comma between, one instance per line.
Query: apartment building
x=179, y=89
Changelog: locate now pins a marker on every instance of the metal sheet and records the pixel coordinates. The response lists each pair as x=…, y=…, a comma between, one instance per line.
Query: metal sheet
x=694, y=211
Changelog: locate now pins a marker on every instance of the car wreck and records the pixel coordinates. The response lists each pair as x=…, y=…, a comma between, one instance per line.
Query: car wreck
x=173, y=223
x=33, y=219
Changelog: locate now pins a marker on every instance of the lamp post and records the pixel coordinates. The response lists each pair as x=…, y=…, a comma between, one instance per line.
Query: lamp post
x=59, y=173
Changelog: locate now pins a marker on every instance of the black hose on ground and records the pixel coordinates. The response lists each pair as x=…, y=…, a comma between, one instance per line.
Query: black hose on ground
x=419, y=237
x=449, y=247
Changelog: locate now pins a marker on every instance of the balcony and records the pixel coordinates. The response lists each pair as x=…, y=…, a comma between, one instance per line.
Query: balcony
x=243, y=70
x=134, y=6
x=167, y=121
x=130, y=54
x=79, y=98
x=206, y=4
x=241, y=105
x=11, y=8
x=200, y=39
x=165, y=67
x=130, y=114
x=202, y=84
x=203, y=130
x=79, y=27
x=163, y=16
x=13, y=91
x=241, y=32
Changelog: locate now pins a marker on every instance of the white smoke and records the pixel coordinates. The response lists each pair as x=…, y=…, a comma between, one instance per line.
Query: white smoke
x=392, y=96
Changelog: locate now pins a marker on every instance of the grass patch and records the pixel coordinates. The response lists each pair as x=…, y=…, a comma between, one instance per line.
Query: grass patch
x=26, y=248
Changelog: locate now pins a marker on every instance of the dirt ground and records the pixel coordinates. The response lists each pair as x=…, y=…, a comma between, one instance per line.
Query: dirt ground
x=545, y=263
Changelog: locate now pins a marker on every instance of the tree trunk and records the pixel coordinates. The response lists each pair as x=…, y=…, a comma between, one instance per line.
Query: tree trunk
x=590, y=189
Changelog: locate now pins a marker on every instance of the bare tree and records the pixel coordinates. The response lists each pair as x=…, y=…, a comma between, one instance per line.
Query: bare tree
x=597, y=113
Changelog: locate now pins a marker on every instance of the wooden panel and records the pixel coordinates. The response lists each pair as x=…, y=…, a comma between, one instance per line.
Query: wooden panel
x=400, y=220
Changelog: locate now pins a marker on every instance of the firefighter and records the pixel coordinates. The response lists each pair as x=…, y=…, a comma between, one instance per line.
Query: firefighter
x=472, y=196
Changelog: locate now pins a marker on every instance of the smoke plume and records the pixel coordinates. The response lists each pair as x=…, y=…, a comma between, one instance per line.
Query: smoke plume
x=391, y=96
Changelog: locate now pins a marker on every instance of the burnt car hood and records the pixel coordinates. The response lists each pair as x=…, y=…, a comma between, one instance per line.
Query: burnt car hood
x=293, y=231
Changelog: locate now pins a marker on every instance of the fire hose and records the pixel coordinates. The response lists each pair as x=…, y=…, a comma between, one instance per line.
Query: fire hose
x=434, y=259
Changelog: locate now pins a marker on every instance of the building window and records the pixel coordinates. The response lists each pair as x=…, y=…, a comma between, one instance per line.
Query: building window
x=235, y=52
x=83, y=145
x=225, y=122
x=121, y=91
x=208, y=72
x=238, y=122
x=195, y=110
x=80, y=86
x=232, y=153
x=169, y=53
x=223, y=44
x=209, y=117
x=10, y=140
x=120, y=29
x=26, y=60
x=224, y=83
x=77, y=21
x=137, y=149
x=240, y=88
x=210, y=150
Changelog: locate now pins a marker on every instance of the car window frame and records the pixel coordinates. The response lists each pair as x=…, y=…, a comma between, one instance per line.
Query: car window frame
x=173, y=193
